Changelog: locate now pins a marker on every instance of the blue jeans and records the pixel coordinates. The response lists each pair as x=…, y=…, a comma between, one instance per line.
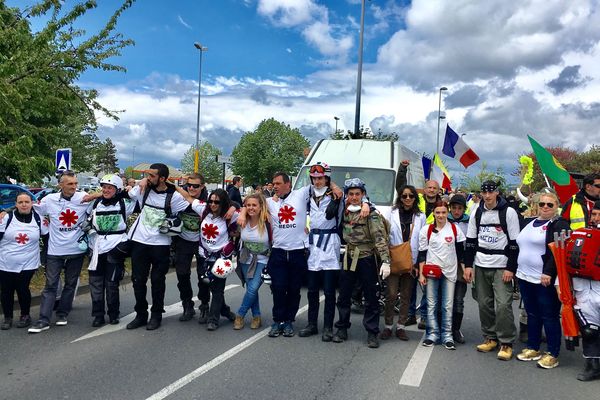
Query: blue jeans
x=440, y=295
x=250, y=300
x=543, y=310
x=55, y=264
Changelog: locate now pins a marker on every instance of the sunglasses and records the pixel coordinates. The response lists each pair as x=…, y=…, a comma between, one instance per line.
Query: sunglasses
x=194, y=185
x=596, y=185
x=542, y=204
x=408, y=196
x=214, y=202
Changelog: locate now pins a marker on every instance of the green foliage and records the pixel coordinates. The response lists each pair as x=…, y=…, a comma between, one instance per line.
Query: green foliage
x=365, y=133
x=473, y=183
x=208, y=166
x=272, y=147
x=41, y=107
x=131, y=174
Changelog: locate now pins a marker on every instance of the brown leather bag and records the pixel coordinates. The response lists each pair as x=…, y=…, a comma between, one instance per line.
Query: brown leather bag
x=401, y=255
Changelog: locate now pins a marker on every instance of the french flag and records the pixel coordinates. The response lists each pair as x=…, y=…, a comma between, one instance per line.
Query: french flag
x=456, y=148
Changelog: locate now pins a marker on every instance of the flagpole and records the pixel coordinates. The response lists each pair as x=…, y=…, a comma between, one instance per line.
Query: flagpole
x=546, y=179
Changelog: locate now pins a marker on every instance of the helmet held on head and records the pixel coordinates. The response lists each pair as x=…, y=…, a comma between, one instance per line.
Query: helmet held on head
x=112, y=179
x=320, y=169
x=354, y=183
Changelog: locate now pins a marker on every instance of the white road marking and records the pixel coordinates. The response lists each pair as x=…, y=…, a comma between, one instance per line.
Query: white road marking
x=414, y=371
x=172, y=388
x=170, y=310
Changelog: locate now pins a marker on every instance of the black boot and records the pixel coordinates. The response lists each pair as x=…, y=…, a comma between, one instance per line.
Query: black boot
x=139, y=320
x=309, y=330
x=188, y=313
x=327, y=335
x=98, y=321
x=203, y=314
x=590, y=371
x=155, y=321
x=340, y=335
x=456, y=324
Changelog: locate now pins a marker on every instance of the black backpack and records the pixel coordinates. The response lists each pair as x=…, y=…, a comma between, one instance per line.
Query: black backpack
x=36, y=217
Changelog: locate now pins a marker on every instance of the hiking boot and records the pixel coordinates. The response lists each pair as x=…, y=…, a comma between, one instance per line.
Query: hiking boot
x=487, y=346
x=428, y=343
x=276, y=329
x=39, y=326
x=138, y=321
x=212, y=326
x=327, y=335
x=422, y=324
x=385, y=334
x=340, y=336
x=411, y=320
x=548, y=361
x=98, y=321
x=372, y=341
x=188, y=314
x=154, y=323
x=449, y=345
x=505, y=353
x=113, y=320
x=238, y=323
x=591, y=370
x=61, y=321
x=203, y=314
x=256, y=322
x=7, y=324
x=288, y=329
x=529, y=355
x=309, y=330
x=401, y=334
x=24, y=321
x=458, y=337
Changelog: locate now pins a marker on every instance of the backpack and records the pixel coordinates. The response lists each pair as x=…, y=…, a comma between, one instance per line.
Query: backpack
x=36, y=217
x=167, y=206
x=432, y=227
x=501, y=215
x=122, y=210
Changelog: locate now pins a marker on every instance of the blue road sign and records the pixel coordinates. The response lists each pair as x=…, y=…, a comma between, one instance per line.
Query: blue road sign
x=63, y=159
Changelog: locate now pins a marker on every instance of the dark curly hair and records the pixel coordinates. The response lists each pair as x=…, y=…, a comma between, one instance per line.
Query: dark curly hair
x=398, y=203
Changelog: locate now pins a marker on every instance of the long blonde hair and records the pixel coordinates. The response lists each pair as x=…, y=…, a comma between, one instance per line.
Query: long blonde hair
x=263, y=211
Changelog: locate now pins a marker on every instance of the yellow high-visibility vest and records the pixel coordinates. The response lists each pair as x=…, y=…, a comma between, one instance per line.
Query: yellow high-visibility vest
x=576, y=215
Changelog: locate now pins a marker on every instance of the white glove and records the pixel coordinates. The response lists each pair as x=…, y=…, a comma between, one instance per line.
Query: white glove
x=384, y=271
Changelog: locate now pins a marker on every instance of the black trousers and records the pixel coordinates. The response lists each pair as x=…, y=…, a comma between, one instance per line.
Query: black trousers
x=328, y=279
x=218, y=306
x=287, y=268
x=185, y=250
x=366, y=273
x=149, y=261
x=104, y=287
x=11, y=282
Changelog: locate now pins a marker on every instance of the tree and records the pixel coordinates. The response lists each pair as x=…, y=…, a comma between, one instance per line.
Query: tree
x=272, y=147
x=473, y=183
x=41, y=107
x=364, y=133
x=208, y=166
x=588, y=161
x=130, y=174
x=106, y=158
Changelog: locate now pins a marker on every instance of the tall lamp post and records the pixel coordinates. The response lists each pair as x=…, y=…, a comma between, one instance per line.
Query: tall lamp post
x=196, y=153
x=336, y=122
x=442, y=89
x=360, y=62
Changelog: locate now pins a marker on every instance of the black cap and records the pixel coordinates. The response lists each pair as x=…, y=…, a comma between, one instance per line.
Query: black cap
x=489, y=186
x=459, y=199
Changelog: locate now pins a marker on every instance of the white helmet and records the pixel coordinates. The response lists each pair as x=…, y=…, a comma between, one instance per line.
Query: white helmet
x=222, y=268
x=112, y=179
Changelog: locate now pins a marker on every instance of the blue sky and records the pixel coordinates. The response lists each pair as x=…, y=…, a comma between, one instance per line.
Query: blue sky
x=531, y=67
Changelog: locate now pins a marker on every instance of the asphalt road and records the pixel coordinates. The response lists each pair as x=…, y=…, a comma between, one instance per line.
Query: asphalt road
x=182, y=360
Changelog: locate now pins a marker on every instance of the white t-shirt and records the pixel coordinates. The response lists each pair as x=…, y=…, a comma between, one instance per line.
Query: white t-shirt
x=145, y=229
x=213, y=230
x=256, y=242
x=288, y=218
x=493, y=238
x=66, y=217
x=108, y=218
x=441, y=248
x=20, y=245
x=532, y=246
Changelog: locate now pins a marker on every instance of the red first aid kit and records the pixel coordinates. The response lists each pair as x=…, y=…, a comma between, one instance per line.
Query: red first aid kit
x=432, y=271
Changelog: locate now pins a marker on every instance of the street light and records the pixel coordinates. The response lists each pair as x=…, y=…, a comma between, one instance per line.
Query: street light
x=196, y=153
x=360, y=62
x=336, y=122
x=443, y=88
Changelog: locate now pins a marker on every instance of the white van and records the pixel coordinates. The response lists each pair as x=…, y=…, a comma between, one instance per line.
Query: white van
x=375, y=162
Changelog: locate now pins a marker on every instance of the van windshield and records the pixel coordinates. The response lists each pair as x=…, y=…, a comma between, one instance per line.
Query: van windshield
x=380, y=182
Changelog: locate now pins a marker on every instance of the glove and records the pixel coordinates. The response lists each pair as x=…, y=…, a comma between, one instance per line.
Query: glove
x=384, y=271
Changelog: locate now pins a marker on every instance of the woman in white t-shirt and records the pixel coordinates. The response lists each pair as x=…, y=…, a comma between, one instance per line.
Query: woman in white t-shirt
x=256, y=240
x=215, y=242
x=19, y=258
x=438, y=246
x=536, y=272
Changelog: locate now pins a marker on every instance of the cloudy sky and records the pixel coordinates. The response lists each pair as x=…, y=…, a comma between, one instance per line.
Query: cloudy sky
x=511, y=69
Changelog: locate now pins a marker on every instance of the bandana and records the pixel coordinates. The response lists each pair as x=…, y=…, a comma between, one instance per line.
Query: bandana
x=489, y=186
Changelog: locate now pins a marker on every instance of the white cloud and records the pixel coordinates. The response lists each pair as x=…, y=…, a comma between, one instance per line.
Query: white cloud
x=182, y=22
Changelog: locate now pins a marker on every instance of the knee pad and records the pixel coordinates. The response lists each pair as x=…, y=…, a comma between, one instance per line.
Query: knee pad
x=590, y=332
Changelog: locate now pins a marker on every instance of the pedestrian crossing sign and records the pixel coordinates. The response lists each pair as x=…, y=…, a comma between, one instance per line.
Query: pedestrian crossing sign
x=63, y=160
